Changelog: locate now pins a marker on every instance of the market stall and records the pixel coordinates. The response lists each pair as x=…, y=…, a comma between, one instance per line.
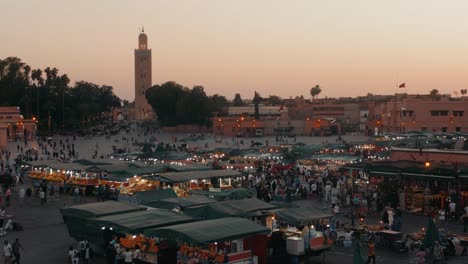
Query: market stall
x=246, y=208
x=130, y=226
x=148, y=198
x=185, y=202
x=233, y=194
x=182, y=182
x=208, y=239
x=305, y=223
x=75, y=216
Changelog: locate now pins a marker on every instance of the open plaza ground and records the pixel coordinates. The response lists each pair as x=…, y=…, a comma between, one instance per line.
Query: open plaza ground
x=46, y=239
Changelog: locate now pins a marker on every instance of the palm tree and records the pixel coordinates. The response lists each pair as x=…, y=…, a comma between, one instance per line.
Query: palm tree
x=315, y=91
x=38, y=81
x=434, y=94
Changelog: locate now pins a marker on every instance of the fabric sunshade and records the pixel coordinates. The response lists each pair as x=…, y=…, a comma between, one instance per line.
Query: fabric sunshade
x=205, y=232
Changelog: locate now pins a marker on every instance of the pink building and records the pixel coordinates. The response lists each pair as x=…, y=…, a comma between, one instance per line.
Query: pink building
x=432, y=156
x=14, y=127
x=419, y=113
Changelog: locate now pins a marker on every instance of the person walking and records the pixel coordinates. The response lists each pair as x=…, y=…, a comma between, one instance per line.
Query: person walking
x=76, y=194
x=7, y=197
x=73, y=256
x=16, y=250
x=136, y=255
x=21, y=194
x=7, y=252
x=128, y=256
x=42, y=196
x=370, y=252
x=452, y=210
x=2, y=221
x=88, y=254
x=438, y=252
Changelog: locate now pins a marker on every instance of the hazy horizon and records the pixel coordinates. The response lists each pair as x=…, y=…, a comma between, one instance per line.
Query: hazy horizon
x=349, y=48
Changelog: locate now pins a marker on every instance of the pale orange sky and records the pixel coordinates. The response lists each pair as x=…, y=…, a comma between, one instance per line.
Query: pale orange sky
x=275, y=47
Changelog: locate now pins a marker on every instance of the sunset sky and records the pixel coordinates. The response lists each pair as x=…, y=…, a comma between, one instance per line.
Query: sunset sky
x=275, y=47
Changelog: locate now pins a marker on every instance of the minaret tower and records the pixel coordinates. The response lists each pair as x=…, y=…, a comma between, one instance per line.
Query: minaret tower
x=143, y=110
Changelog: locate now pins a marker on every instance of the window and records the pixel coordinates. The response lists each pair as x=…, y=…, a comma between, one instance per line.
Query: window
x=444, y=129
x=458, y=129
x=423, y=128
x=408, y=113
x=458, y=113
x=439, y=113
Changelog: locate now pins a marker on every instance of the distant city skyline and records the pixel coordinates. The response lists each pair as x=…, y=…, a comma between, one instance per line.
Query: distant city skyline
x=349, y=48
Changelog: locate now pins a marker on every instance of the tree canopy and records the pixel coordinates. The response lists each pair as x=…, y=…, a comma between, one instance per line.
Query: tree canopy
x=237, y=100
x=44, y=93
x=434, y=94
x=274, y=100
x=315, y=91
x=176, y=104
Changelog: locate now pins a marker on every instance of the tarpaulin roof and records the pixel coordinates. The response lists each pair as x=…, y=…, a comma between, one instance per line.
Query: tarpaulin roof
x=149, y=197
x=100, y=209
x=234, y=194
x=57, y=165
x=236, y=208
x=136, y=222
x=183, y=202
x=206, y=232
x=77, y=218
x=301, y=216
x=189, y=167
x=248, y=205
x=122, y=172
x=175, y=177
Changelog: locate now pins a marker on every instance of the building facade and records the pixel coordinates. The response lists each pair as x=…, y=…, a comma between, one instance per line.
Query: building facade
x=13, y=127
x=143, y=78
x=273, y=121
x=416, y=113
x=347, y=114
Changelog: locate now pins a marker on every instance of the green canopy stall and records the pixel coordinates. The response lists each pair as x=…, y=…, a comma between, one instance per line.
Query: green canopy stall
x=233, y=194
x=205, y=232
x=184, y=202
x=136, y=222
x=75, y=217
x=230, y=208
x=301, y=216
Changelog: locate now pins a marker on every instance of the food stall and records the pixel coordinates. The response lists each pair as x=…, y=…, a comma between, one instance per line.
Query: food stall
x=76, y=217
x=233, y=194
x=130, y=226
x=225, y=240
x=311, y=220
x=253, y=208
x=183, y=182
x=139, y=184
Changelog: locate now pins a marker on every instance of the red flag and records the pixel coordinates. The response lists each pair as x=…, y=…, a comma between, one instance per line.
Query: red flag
x=403, y=85
x=281, y=108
